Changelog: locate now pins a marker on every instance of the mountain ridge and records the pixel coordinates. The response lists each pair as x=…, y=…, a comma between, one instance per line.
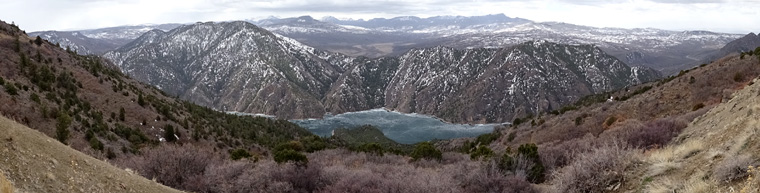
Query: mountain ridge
x=664, y=50
x=306, y=77
x=252, y=58
x=101, y=40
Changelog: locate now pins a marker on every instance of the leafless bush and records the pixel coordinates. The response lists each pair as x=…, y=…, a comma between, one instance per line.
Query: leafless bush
x=732, y=168
x=360, y=181
x=260, y=180
x=488, y=178
x=177, y=166
x=352, y=172
x=656, y=133
x=600, y=170
x=302, y=179
x=454, y=158
x=557, y=155
x=222, y=178
x=337, y=170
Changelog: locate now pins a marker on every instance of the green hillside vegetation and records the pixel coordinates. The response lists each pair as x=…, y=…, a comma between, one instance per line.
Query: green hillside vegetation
x=369, y=139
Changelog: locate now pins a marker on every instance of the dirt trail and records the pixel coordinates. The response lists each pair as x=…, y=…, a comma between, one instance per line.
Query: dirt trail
x=33, y=162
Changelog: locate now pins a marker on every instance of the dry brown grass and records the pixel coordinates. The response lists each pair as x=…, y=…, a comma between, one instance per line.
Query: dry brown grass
x=5, y=185
x=37, y=163
x=752, y=184
x=675, y=152
x=733, y=168
x=712, y=154
x=669, y=185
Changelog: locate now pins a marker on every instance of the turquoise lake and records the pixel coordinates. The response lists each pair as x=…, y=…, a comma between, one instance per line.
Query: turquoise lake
x=400, y=127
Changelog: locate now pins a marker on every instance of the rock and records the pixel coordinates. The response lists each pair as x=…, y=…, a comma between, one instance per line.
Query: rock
x=50, y=176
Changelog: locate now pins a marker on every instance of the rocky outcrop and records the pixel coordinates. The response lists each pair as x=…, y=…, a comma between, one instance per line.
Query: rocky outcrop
x=234, y=66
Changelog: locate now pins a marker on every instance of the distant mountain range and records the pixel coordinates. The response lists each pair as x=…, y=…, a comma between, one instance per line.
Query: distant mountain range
x=663, y=50
x=99, y=41
x=237, y=66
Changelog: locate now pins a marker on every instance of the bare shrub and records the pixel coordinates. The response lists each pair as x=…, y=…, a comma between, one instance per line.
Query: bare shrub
x=302, y=179
x=656, y=133
x=690, y=116
x=344, y=171
x=599, y=170
x=360, y=181
x=260, y=180
x=732, y=168
x=558, y=155
x=652, y=134
x=335, y=170
x=222, y=178
x=181, y=167
x=488, y=178
x=453, y=158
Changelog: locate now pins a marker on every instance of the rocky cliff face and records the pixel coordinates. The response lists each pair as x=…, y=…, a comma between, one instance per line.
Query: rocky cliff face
x=495, y=85
x=239, y=67
x=234, y=66
x=482, y=85
x=362, y=86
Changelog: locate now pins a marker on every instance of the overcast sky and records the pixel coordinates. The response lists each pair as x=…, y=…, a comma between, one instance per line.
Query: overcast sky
x=734, y=16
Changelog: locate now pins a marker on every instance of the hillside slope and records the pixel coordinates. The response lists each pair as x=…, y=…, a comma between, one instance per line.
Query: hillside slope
x=679, y=97
x=33, y=162
x=600, y=143
x=713, y=153
x=84, y=102
x=747, y=43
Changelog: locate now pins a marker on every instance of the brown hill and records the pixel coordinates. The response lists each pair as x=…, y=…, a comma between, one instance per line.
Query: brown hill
x=712, y=154
x=87, y=103
x=33, y=162
x=680, y=96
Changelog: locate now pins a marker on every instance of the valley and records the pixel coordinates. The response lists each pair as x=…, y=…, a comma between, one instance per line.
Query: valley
x=237, y=66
